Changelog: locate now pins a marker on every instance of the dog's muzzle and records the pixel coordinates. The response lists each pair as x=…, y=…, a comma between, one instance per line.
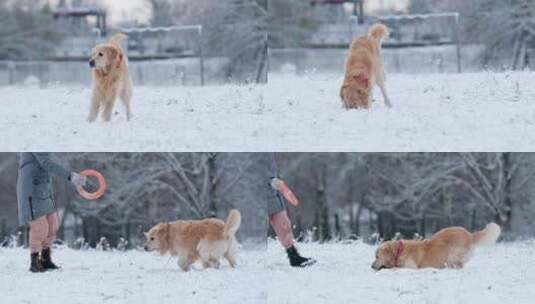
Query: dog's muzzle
x=376, y=266
x=92, y=63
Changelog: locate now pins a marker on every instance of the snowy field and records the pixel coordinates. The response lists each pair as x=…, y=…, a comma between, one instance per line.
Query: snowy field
x=501, y=274
x=130, y=277
x=432, y=112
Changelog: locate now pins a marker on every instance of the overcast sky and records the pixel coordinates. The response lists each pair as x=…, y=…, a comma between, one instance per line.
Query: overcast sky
x=120, y=10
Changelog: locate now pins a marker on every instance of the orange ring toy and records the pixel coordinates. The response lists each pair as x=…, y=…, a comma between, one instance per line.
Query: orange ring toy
x=101, y=185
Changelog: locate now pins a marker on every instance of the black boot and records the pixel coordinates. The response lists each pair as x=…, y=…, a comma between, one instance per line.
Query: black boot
x=35, y=265
x=46, y=260
x=296, y=260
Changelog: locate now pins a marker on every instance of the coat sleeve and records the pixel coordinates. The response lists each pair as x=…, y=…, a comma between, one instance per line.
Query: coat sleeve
x=53, y=168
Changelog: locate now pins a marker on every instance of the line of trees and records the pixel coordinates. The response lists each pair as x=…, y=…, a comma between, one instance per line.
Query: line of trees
x=27, y=30
x=343, y=195
x=370, y=194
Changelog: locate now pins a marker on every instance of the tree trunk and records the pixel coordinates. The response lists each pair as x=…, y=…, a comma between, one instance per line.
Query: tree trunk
x=212, y=192
x=508, y=203
x=357, y=219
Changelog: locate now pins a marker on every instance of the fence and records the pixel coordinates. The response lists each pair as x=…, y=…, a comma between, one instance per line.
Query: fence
x=429, y=59
x=183, y=71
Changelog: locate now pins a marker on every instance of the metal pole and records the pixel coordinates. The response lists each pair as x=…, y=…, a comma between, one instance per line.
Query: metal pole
x=11, y=68
x=201, y=55
x=458, y=42
x=361, y=12
x=351, y=29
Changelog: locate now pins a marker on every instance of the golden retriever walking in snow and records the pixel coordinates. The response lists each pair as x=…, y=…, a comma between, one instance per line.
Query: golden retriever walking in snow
x=207, y=240
x=448, y=248
x=110, y=79
x=364, y=68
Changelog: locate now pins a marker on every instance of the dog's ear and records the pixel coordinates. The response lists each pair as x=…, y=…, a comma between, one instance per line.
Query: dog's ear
x=163, y=229
x=113, y=52
x=362, y=79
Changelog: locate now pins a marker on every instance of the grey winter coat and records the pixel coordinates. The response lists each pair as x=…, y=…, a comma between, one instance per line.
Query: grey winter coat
x=34, y=185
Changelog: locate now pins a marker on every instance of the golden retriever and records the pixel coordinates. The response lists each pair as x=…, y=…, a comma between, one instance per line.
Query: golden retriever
x=448, y=248
x=364, y=68
x=110, y=78
x=207, y=240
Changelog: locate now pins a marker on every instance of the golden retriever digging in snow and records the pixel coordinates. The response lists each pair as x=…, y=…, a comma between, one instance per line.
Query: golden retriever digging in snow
x=449, y=248
x=110, y=79
x=207, y=240
x=364, y=68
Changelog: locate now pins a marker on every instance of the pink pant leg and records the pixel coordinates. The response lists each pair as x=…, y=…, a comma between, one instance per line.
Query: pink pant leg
x=283, y=228
x=53, y=226
x=38, y=233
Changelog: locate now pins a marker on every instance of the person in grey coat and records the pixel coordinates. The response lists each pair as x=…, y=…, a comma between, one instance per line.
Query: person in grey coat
x=36, y=205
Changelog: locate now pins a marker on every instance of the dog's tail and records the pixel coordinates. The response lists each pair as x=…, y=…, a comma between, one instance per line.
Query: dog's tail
x=378, y=32
x=117, y=39
x=233, y=223
x=487, y=236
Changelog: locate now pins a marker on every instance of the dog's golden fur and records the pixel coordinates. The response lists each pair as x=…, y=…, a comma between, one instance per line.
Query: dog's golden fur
x=207, y=240
x=364, y=68
x=110, y=79
x=448, y=248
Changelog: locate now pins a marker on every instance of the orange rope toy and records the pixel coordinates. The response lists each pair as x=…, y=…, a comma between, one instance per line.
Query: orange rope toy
x=101, y=185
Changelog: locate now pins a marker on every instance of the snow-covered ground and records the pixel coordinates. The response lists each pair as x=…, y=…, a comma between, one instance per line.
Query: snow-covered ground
x=501, y=274
x=130, y=277
x=432, y=112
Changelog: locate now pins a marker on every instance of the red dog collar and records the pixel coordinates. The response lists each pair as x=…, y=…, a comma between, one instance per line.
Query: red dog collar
x=120, y=60
x=363, y=80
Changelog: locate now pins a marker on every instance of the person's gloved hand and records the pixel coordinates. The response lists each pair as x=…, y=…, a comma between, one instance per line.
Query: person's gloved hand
x=78, y=180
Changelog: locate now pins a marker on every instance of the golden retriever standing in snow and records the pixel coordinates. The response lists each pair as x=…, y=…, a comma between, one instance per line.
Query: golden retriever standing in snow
x=449, y=248
x=364, y=68
x=207, y=240
x=110, y=79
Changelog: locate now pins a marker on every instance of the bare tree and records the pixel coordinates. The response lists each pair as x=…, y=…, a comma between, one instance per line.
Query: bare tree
x=507, y=29
x=27, y=30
